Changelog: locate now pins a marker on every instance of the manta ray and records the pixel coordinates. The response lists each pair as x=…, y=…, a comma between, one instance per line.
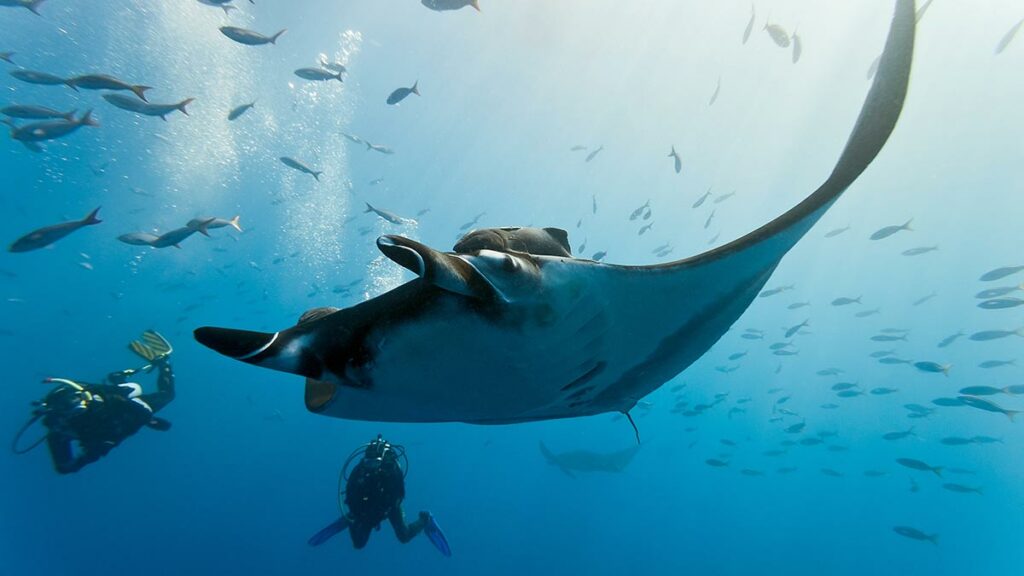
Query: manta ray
x=509, y=327
x=587, y=461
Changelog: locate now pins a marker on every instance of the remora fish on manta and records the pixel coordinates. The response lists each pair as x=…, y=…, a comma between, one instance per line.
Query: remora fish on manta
x=495, y=336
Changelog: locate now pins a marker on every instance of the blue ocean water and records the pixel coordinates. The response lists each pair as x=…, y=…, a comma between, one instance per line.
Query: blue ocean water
x=246, y=475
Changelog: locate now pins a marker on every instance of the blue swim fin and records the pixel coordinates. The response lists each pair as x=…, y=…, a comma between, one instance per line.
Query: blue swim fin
x=331, y=530
x=433, y=531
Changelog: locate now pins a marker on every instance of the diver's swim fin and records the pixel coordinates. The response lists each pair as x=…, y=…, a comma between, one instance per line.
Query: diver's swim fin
x=433, y=531
x=152, y=347
x=331, y=530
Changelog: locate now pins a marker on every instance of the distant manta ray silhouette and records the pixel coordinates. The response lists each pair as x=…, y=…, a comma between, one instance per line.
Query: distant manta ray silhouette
x=512, y=332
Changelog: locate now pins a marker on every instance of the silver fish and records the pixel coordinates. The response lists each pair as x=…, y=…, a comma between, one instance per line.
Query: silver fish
x=950, y=339
x=42, y=131
x=29, y=112
x=318, y=74
x=48, y=235
x=1008, y=37
x=836, y=232
x=778, y=35
x=702, y=199
x=249, y=37
x=41, y=78
x=402, y=93
x=982, y=404
x=933, y=367
x=678, y=162
x=145, y=108
x=1000, y=273
x=239, y=110
x=1001, y=303
x=919, y=251
x=986, y=335
x=915, y=534
x=890, y=230
x=295, y=164
x=750, y=25
x=844, y=301
x=106, y=82
x=389, y=216
x=593, y=154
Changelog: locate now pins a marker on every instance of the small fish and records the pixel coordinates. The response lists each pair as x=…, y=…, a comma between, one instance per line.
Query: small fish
x=956, y=441
x=997, y=292
x=389, y=216
x=644, y=229
x=594, y=154
x=7, y=57
x=844, y=301
x=776, y=290
x=948, y=402
x=933, y=367
x=402, y=93
x=678, y=161
x=919, y=465
x=28, y=112
x=173, y=238
x=982, y=404
x=444, y=5
x=840, y=386
x=918, y=409
x=924, y=299
x=106, y=82
x=986, y=440
x=593, y=200
x=583, y=247
x=915, y=534
x=716, y=463
x=639, y=211
x=752, y=336
x=811, y=441
x=778, y=35
x=831, y=472
x=798, y=47
x=867, y=313
x=48, y=235
x=295, y=164
x=146, y=109
x=850, y=394
x=201, y=224
x=723, y=197
x=987, y=335
x=786, y=353
x=1000, y=273
x=882, y=353
x=318, y=74
x=889, y=338
x=378, y=148
x=836, y=232
x=1008, y=37
x=41, y=78
x=795, y=428
x=736, y=356
x=714, y=95
x=950, y=339
x=890, y=230
x=29, y=134
x=1001, y=303
x=919, y=251
x=750, y=25
x=700, y=201
x=882, y=391
x=138, y=238
x=892, y=360
x=249, y=37
x=353, y=138
x=892, y=436
x=224, y=5
x=997, y=363
x=793, y=330
x=577, y=148
x=961, y=488
x=798, y=305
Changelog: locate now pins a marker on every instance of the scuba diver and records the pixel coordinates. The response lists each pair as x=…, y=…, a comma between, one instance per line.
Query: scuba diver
x=98, y=417
x=373, y=492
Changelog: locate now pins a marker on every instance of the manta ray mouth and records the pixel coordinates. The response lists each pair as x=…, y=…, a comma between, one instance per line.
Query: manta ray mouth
x=239, y=344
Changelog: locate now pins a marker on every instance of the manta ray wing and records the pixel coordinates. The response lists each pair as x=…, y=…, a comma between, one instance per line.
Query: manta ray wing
x=494, y=337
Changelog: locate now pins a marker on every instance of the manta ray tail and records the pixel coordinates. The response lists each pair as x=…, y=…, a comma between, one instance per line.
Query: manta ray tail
x=767, y=245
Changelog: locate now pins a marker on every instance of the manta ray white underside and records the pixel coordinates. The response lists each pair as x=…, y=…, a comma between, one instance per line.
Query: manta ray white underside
x=498, y=336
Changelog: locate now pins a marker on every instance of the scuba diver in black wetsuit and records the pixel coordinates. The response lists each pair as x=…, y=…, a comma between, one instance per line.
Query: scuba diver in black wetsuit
x=373, y=492
x=98, y=417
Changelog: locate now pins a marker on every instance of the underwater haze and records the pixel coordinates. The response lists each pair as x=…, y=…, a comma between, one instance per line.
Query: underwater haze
x=837, y=428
